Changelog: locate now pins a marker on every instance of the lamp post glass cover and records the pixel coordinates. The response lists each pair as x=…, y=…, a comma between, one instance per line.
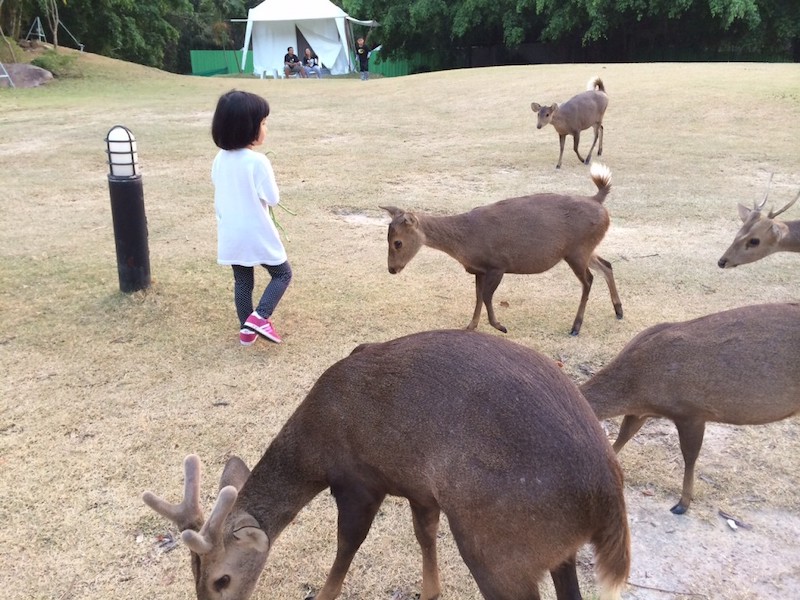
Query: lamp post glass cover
x=123, y=158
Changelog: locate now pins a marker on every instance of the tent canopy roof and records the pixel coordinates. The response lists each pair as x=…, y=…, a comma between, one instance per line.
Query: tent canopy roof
x=299, y=10
x=280, y=10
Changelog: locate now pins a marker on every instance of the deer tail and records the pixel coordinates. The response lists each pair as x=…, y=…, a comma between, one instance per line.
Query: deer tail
x=612, y=546
x=601, y=175
x=596, y=84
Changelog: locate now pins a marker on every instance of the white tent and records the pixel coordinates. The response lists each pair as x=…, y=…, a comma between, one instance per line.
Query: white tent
x=273, y=26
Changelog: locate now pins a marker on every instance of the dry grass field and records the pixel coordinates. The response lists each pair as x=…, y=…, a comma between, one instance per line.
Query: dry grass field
x=103, y=394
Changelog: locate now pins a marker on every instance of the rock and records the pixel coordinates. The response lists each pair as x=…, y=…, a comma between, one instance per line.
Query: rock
x=25, y=76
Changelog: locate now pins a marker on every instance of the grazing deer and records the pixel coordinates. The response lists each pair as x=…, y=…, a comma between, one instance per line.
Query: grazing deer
x=576, y=114
x=523, y=235
x=487, y=431
x=739, y=366
x=761, y=236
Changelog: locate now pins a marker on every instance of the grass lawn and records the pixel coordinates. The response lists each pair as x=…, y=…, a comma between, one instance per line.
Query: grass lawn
x=102, y=394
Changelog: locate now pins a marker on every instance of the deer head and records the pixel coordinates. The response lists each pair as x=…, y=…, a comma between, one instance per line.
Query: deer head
x=405, y=238
x=544, y=114
x=229, y=550
x=759, y=236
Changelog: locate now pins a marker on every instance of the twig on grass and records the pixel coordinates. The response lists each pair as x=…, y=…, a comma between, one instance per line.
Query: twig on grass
x=67, y=592
x=626, y=258
x=674, y=592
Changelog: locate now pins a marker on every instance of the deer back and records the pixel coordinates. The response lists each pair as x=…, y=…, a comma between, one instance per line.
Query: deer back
x=529, y=234
x=464, y=421
x=739, y=366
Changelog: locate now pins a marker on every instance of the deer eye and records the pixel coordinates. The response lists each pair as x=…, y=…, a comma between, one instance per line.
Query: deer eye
x=398, y=244
x=753, y=242
x=222, y=583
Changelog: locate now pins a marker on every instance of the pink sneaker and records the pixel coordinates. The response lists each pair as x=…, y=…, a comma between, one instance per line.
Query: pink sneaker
x=263, y=326
x=247, y=337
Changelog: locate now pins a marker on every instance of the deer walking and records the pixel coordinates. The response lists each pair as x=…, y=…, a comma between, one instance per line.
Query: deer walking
x=576, y=114
x=525, y=235
x=487, y=431
x=761, y=235
x=739, y=366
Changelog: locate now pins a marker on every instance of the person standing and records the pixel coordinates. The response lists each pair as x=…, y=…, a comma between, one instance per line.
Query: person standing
x=244, y=189
x=362, y=54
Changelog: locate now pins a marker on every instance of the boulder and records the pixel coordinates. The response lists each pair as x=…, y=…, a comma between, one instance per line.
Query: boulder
x=24, y=75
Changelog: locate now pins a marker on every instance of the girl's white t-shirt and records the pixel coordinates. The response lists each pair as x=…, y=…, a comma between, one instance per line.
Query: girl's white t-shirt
x=244, y=188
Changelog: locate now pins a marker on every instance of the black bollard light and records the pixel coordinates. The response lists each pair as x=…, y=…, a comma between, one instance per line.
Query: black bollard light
x=127, y=210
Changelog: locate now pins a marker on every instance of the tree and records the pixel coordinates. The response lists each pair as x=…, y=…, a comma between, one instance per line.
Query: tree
x=14, y=15
x=444, y=27
x=50, y=8
x=140, y=31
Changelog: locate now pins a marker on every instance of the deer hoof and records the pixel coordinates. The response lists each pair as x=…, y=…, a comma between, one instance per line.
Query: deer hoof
x=618, y=311
x=678, y=509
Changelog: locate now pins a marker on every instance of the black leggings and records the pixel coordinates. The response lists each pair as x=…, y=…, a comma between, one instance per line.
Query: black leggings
x=244, y=282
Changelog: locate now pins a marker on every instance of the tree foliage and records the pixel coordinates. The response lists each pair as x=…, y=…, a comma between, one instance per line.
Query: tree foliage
x=161, y=33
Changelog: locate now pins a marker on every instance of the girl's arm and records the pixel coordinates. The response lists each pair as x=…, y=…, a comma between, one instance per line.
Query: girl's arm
x=266, y=185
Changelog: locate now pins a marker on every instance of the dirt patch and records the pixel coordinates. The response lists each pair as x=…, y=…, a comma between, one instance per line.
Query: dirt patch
x=357, y=217
x=694, y=557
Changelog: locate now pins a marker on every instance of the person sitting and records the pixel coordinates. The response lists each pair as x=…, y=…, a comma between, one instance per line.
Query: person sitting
x=291, y=64
x=311, y=64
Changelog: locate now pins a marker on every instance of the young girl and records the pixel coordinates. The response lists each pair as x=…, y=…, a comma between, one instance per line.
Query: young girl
x=244, y=188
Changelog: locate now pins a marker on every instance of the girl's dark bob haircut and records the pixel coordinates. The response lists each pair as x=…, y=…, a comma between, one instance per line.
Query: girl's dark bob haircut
x=237, y=119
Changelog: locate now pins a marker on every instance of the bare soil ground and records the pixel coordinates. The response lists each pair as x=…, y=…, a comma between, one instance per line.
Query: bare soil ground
x=102, y=394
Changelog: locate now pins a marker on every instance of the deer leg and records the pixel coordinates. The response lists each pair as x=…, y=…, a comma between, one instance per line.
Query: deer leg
x=602, y=265
x=357, y=508
x=562, y=138
x=596, y=135
x=491, y=279
x=476, y=315
x=690, y=435
x=585, y=277
x=600, y=147
x=565, y=581
x=630, y=425
x=576, y=139
x=426, y=526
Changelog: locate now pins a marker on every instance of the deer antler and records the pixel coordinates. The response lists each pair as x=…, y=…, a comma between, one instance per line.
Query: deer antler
x=187, y=514
x=775, y=214
x=211, y=535
x=759, y=206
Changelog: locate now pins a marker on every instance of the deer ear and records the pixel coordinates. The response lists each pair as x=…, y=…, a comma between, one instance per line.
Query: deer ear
x=392, y=210
x=554, y=107
x=235, y=473
x=536, y=107
x=744, y=212
x=248, y=532
x=410, y=219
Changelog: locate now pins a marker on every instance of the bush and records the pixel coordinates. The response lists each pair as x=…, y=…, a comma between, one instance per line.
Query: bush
x=60, y=65
x=10, y=52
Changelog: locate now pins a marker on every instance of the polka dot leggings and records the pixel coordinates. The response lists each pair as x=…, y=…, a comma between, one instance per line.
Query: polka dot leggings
x=244, y=282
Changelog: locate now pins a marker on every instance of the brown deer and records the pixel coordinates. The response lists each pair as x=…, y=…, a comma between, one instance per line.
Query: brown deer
x=525, y=235
x=576, y=114
x=739, y=366
x=487, y=431
x=761, y=235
